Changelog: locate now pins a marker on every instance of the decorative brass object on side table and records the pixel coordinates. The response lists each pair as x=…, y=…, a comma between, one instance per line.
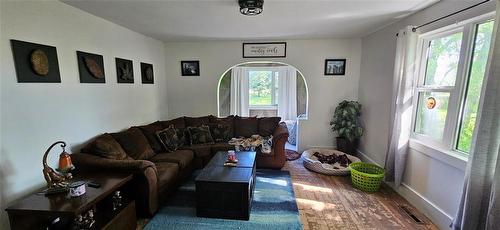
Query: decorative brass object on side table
x=56, y=181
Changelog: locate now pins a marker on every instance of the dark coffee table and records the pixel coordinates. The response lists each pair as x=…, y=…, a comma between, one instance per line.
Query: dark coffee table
x=226, y=192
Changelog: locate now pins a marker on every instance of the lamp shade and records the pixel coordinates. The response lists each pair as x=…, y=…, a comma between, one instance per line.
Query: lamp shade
x=65, y=164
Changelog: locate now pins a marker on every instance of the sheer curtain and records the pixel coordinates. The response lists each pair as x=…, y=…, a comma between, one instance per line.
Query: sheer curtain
x=239, y=98
x=401, y=108
x=480, y=204
x=287, y=93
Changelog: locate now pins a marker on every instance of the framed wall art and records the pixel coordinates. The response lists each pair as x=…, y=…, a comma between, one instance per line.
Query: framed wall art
x=147, y=73
x=190, y=68
x=264, y=50
x=91, y=67
x=35, y=62
x=335, y=66
x=124, y=70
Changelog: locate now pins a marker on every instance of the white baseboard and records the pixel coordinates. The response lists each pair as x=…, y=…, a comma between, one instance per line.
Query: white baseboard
x=438, y=216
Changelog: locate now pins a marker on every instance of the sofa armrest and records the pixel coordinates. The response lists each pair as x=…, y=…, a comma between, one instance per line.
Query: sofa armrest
x=144, y=186
x=90, y=162
x=280, y=134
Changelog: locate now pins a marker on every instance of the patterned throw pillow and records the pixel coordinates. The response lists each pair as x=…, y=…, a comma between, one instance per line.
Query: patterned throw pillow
x=220, y=132
x=169, y=139
x=200, y=135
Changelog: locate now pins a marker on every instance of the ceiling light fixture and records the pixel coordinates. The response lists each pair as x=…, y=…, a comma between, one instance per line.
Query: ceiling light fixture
x=251, y=7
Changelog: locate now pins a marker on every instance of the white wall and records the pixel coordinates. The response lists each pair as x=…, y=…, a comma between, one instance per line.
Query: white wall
x=197, y=96
x=34, y=115
x=431, y=184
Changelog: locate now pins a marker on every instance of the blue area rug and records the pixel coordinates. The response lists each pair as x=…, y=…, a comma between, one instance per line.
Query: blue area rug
x=273, y=207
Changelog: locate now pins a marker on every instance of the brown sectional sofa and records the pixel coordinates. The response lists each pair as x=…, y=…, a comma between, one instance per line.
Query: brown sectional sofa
x=156, y=172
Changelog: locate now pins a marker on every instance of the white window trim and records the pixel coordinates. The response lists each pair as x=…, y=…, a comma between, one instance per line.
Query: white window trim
x=273, y=95
x=445, y=150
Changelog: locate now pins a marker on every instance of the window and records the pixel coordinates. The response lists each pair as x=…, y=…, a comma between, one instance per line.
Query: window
x=452, y=69
x=263, y=87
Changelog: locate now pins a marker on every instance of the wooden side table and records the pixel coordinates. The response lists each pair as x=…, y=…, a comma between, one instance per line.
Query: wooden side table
x=60, y=211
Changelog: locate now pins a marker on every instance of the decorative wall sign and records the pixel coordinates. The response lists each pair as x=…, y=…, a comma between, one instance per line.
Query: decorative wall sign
x=91, y=67
x=190, y=68
x=264, y=50
x=147, y=73
x=35, y=62
x=335, y=66
x=124, y=70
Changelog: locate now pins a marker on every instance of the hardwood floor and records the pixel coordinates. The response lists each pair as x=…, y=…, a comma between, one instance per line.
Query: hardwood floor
x=330, y=202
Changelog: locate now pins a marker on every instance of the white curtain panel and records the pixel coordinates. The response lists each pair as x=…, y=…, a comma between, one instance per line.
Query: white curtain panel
x=480, y=204
x=239, y=98
x=401, y=108
x=287, y=93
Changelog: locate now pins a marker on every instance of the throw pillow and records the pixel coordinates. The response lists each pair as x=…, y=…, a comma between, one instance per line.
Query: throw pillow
x=134, y=143
x=246, y=126
x=226, y=121
x=169, y=138
x=105, y=146
x=267, y=125
x=200, y=135
x=149, y=132
x=220, y=132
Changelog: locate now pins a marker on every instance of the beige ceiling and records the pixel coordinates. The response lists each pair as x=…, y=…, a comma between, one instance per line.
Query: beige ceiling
x=194, y=20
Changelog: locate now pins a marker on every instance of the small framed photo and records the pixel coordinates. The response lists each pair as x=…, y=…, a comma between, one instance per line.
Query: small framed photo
x=91, y=67
x=335, y=66
x=147, y=73
x=124, y=71
x=190, y=68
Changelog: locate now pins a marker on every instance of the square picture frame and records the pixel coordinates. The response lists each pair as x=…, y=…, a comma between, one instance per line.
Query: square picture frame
x=147, y=73
x=35, y=63
x=335, y=67
x=91, y=67
x=124, y=71
x=190, y=68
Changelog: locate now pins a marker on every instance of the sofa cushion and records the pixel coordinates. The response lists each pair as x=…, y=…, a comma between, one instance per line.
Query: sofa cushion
x=134, y=143
x=149, y=132
x=177, y=122
x=169, y=139
x=166, y=174
x=267, y=125
x=199, y=150
x=105, y=146
x=181, y=157
x=245, y=126
x=217, y=147
x=196, y=121
x=200, y=135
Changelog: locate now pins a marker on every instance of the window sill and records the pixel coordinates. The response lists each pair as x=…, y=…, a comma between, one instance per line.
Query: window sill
x=451, y=158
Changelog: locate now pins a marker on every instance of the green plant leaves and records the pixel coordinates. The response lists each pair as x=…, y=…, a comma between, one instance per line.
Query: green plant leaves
x=345, y=120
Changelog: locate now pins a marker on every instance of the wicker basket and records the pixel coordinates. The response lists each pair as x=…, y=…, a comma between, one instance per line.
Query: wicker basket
x=312, y=163
x=366, y=177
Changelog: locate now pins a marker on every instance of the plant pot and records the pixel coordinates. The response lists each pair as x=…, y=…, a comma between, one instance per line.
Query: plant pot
x=347, y=146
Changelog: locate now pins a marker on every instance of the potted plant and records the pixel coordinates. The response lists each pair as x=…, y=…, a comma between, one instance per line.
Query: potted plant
x=345, y=122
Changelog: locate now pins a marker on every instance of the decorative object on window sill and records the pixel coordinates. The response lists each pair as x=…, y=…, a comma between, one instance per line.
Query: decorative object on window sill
x=264, y=50
x=431, y=102
x=124, y=70
x=251, y=7
x=190, y=68
x=35, y=62
x=56, y=181
x=345, y=122
x=147, y=73
x=335, y=66
x=91, y=67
